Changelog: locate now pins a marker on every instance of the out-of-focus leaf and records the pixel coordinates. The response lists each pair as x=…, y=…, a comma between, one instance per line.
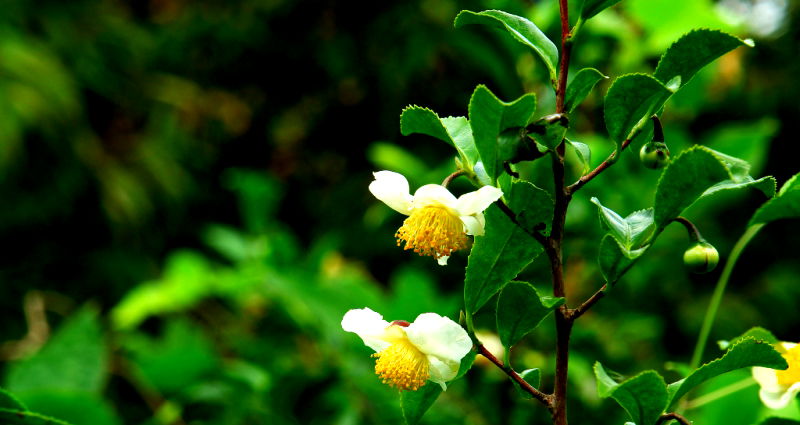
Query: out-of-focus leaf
x=523, y=30
x=415, y=403
x=630, y=102
x=580, y=87
x=16, y=417
x=746, y=353
x=785, y=205
x=590, y=8
x=73, y=407
x=644, y=396
x=388, y=156
x=520, y=309
x=8, y=401
x=531, y=376
x=628, y=231
x=692, y=52
x=780, y=421
x=455, y=131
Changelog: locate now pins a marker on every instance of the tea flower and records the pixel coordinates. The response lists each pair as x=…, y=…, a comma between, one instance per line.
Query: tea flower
x=438, y=223
x=409, y=354
x=779, y=387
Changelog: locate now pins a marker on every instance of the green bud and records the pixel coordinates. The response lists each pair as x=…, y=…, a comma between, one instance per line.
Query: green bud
x=701, y=257
x=654, y=155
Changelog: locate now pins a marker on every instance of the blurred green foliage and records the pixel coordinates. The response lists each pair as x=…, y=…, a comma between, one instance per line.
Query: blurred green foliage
x=185, y=216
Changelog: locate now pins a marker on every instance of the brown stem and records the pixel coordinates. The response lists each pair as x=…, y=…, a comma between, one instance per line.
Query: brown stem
x=566, y=50
x=578, y=312
x=586, y=178
x=673, y=416
x=451, y=177
x=538, y=395
x=691, y=229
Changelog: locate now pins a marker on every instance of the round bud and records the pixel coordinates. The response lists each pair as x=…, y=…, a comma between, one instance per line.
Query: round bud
x=654, y=155
x=701, y=257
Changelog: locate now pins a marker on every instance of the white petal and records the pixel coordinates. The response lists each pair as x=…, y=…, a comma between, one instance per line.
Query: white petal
x=392, y=189
x=786, y=345
x=440, y=337
x=443, y=260
x=434, y=194
x=442, y=372
x=767, y=379
x=779, y=400
x=477, y=201
x=472, y=224
x=368, y=325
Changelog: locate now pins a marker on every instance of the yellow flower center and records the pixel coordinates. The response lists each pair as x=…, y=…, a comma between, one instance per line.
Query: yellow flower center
x=791, y=375
x=433, y=230
x=402, y=365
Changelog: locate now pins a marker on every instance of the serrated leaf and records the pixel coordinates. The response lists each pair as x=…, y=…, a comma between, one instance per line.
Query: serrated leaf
x=692, y=52
x=583, y=152
x=489, y=117
x=747, y=353
x=581, y=86
x=591, y=8
x=16, y=417
x=685, y=180
x=615, y=260
x=757, y=333
x=455, y=131
x=531, y=376
x=520, y=309
x=505, y=249
x=414, y=404
x=628, y=231
x=9, y=401
x=644, y=396
x=630, y=102
x=785, y=205
x=521, y=29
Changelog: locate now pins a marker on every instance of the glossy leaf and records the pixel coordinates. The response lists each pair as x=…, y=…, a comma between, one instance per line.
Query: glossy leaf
x=757, y=333
x=581, y=86
x=414, y=404
x=505, y=249
x=628, y=231
x=644, y=396
x=523, y=30
x=591, y=8
x=630, y=102
x=583, y=152
x=615, y=260
x=785, y=205
x=531, y=376
x=520, y=309
x=549, y=131
x=489, y=117
x=746, y=353
x=16, y=417
x=692, y=52
x=452, y=130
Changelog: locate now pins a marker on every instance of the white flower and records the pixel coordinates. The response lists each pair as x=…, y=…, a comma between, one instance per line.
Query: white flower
x=438, y=222
x=779, y=387
x=408, y=354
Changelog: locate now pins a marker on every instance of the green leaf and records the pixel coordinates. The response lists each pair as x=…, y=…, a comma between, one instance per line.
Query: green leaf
x=615, y=260
x=580, y=87
x=455, y=131
x=523, y=30
x=780, y=421
x=756, y=332
x=549, y=131
x=628, y=231
x=685, y=180
x=506, y=249
x=414, y=404
x=746, y=353
x=520, y=309
x=489, y=117
x=692, y=52
x=73, y=407
x=75, y=359
x=531, y=376
x=630, y=102
x=644, y=396
x=8, y=401
x=583, y=152
x=16, y=417
x=591, y=8
x=785, y=205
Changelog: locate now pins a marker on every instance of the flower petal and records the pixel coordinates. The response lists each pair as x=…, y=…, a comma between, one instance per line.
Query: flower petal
x=475, y=202
x=780, y=399
x=767, y=379
x=368, y=325
x=473, y=224
x=440, y=337
x=434, y=194
x=442, y=372
x=392, y=189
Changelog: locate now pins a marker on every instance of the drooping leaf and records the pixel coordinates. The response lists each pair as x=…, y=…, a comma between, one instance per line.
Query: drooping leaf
x=489, y=117
x=591, y=8
x=785, y=205
x=628, y=231
x=455, y=131
x=583, y=152
x=414, y=404
x=581, y=86
x=644, y=396
x=8, y=401
x=17, y=417
x=523, y=30
x=630, y=102
x=615, y=260
x=692, y=52
x=531, y=376
x=505, y=249
x=748, y=352
x=685, y=180
x=520, y=309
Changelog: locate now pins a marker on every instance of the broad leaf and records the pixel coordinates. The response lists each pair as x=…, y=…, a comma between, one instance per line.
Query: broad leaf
x=453, y=130
x=523, y=30
x=549, y=131
x=583, y=152
x=505, y=249
x=685, y=180
x=615, y=260
x=520, y=309
x=630, y=102
x=785, y=205
x=591, y=8
x=580, y=87
x=16, y=417
x=756, y=332
x=531, y=376
x=414, y=404
x=644, y=396
x=628, y=231
x=8, y=401
x=746, y=353
x=692, y=52
x=489, y=117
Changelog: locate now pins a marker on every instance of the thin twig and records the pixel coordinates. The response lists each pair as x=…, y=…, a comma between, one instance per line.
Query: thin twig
x=578, y=312
x=586, y=178
x=451, y=177
x=513, y=217
x=673, y=416
x=538, y=395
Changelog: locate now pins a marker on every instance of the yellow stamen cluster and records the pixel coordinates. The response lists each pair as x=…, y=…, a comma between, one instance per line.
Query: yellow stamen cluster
x=434, y=231
x=791, y=375
x=402, y=366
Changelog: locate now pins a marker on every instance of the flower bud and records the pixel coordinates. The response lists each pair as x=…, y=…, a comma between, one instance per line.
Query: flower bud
x=701, y=257
x=654, y=155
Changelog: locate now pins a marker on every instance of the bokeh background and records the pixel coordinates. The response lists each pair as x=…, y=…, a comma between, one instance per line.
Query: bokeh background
x=184, y=211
